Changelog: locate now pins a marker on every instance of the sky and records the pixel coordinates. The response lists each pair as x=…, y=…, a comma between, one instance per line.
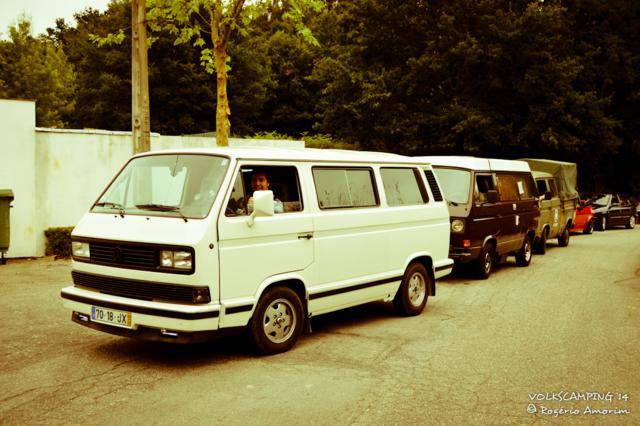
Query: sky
x=43, y=13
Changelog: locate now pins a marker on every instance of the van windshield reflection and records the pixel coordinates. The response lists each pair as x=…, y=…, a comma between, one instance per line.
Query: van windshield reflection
x=182, y=186
x=455, y=184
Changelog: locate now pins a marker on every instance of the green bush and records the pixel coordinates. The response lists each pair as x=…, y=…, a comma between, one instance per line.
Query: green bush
x=310, y=141
x=325, y=142
x=58, y=241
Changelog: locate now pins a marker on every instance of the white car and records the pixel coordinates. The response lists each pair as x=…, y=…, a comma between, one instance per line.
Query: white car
x=184, y=245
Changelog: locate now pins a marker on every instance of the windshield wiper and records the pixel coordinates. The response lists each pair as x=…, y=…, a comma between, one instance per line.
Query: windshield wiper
x=453, y=203
x=111, y=204
x=162, y=208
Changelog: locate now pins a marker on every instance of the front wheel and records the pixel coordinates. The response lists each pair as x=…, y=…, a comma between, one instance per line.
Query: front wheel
x=542, y=242
x=632, y=222
x=588, y=229
x=277, y=321
x=603, y=224
x=484, y=264
x=523, y=257
x=563, y=239
x=413, y=293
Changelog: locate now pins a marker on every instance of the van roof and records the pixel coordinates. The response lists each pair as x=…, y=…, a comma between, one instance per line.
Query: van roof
x=476, y=163
x=536, y=174
x=296, y=154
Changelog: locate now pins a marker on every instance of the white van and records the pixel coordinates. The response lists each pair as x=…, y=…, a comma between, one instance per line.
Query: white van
x=184, y=245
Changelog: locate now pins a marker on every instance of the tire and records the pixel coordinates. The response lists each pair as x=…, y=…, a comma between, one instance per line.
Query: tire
x=602, y=226
x=563, y=239
x=588, y=229
x=413, y=293
x=631, y=223
x=484, y=264
x=523, y=257
x=541, y=246
x=277, y=321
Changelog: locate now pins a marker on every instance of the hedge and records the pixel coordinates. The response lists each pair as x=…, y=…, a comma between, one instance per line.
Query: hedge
x=58, y=242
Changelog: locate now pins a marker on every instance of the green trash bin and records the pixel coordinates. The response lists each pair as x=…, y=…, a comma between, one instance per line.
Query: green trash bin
x=6, y=197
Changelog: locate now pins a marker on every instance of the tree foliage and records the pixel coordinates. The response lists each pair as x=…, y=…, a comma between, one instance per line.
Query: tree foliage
x=505, y=78
x=37, y=68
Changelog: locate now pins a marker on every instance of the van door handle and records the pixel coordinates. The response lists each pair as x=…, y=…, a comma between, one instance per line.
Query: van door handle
x=305, y=236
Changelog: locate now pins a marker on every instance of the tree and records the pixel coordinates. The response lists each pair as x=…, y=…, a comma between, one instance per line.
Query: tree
x=37, y=68
x=210, y=25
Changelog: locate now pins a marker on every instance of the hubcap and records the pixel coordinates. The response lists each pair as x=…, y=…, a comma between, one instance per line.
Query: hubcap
x=487, y=262
x=527, y=251
x=417, y=289
x=632, y=221
x=604, y=223
x=279, y=321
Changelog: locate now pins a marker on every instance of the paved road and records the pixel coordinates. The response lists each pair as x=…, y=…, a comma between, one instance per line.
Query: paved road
x=479, y=353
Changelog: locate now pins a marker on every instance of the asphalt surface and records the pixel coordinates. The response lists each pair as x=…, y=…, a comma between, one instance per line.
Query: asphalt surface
x=563, y=334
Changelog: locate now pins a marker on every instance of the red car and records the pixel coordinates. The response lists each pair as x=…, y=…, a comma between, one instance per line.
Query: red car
x=584, y=219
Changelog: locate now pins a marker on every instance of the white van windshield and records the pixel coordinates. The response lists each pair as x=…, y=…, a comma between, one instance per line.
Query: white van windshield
x=166, y=185
x=455, y=183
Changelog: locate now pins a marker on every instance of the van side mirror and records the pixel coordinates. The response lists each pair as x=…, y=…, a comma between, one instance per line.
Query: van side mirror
x=492, y=196
x=263, y=206
x=548, y=195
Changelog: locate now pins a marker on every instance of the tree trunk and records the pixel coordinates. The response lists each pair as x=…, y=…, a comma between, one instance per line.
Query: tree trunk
x=140, y=120
x=223, y=126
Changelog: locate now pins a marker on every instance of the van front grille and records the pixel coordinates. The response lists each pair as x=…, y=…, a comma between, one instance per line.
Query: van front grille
x=143, y=290
x=433, y=184
x=127, y=255
x=130, y=255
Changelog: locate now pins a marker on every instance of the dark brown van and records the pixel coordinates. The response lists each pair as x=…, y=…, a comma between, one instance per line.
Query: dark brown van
x=493, y=207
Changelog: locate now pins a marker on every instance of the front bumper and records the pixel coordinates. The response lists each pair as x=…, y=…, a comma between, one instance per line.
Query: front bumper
x=182, y=323
x=464, y=255
x=156, y=334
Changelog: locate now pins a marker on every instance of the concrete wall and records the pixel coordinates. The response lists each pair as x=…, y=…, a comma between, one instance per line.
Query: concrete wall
x=57, y=174
x=17, y=172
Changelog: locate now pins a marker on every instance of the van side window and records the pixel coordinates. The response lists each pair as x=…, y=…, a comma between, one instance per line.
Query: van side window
x=542, y=186
x=508, y=187
x=526, y=188
x=484, y=183
x=282, y=180
x=552, y=187
x=403, y=186
x=344, y=187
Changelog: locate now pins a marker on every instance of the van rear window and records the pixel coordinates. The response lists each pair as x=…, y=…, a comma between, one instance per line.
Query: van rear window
x=403, y=186
x=344, y=187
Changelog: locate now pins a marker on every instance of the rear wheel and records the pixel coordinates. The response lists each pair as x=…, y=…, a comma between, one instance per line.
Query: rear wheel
x=277, y=321
x=484, y=264
x=602, y=226
x=631, y=223
x=563, y=239
x=523, y=257
x=588, y=229
x=413, y=293
x=541, y=247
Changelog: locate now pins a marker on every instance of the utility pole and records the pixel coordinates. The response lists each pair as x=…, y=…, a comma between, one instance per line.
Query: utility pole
x=140, y=121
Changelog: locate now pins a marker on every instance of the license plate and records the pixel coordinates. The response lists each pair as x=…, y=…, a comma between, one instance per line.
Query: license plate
x=111, y=317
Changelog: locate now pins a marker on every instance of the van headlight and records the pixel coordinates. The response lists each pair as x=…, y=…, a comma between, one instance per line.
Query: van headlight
x=80, y=249
x=176, y=259
x=457, y=226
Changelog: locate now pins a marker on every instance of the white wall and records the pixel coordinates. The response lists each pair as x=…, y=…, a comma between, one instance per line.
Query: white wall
x=17, y=172
x=57, y=174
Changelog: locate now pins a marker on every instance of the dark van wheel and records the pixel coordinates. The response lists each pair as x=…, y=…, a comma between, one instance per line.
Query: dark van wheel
x=277, y=321
x=413, y=293
x=602, y=226
x=563, y=239
x=631, y=223
x=523, y=257
x=484, y=264
x=541, y=246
